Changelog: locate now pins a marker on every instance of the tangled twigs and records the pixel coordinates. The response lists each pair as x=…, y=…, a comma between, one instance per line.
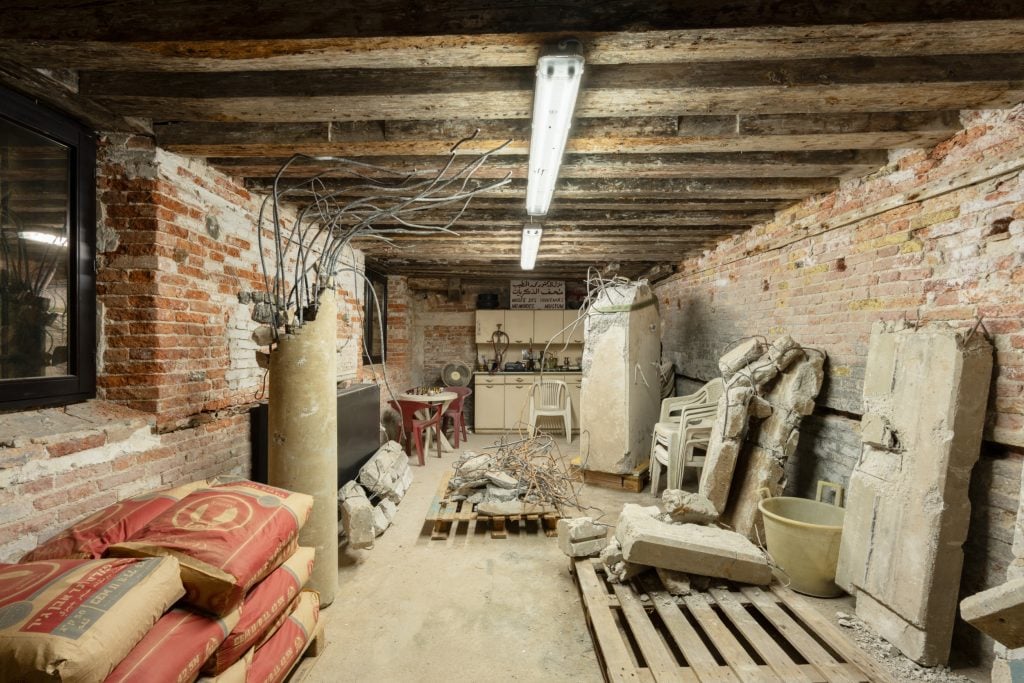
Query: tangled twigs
x=538, y=468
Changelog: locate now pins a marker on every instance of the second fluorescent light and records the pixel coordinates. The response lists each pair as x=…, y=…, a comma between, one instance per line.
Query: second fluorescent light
x=530, y=246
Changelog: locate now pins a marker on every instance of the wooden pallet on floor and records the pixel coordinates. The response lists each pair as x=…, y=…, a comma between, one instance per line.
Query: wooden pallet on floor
x=635, y=481
x=444, y=513
x=743, y=634
x=304, y=664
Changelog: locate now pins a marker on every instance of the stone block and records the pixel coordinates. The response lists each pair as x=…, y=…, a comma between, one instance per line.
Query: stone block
x=716, y=476
x=383, y=513
x=502, y=480
x=497, y=493
x=580, y=529
x=581, y=548
x=676, y=583
x=740, y=356
x=998, y=612
x=617, y=569
x=908, y=512
x=691, y=548
x=387, y=472
x=357, y=519
x=490, y=508
x=757, y=469
x=351, y=489
x=688, y=508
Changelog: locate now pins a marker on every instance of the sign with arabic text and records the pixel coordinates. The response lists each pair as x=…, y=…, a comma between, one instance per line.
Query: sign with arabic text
x=537, y=294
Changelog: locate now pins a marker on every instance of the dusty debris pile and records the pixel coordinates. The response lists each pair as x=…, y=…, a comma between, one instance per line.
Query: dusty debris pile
x=521, y=477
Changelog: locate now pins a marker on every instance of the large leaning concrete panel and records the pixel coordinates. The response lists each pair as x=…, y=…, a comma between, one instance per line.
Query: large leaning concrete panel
x=690, y=548
x=925, y=392
x=620, y=395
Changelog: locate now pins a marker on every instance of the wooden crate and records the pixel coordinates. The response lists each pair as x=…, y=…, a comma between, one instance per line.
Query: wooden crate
x=444, y=513
x=634, y=481
x=744, y=634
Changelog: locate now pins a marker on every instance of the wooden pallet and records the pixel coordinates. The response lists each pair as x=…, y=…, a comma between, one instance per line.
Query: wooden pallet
x=634, y=481
x=445, y=513
x=304, y=664
x=747, y=634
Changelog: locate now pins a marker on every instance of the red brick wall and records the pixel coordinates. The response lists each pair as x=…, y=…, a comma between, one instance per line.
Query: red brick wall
x=938, y=241
x=174, y=345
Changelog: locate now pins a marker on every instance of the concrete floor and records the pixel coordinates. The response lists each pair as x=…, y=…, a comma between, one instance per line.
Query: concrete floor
x=469, y=607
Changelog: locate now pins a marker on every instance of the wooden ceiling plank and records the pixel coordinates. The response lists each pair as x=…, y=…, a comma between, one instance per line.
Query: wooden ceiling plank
x=523, y=49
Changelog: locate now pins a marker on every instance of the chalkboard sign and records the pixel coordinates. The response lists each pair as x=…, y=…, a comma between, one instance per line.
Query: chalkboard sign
x=538, y=294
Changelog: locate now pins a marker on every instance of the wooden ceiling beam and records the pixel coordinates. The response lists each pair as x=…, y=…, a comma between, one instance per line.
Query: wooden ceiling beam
x=767, y=86
x=644, y=135
x=523, y=49
x=810, y=164
x=563, y=218
x=677, y=188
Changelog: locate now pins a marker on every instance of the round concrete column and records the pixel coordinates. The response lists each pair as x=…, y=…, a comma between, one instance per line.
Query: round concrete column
x=303, y=434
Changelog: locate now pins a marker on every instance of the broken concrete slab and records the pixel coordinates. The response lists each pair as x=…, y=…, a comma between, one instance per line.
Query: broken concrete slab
x=581, y=529
x=387, y=472
x=688, y=508
x=998, y=612
x=907, y=504
x=497, y=493
x=382, y=516
x=490, y=508
x=616, y=567
x=502, y=479
x=351, y=489
x=690, y=548
x=588, y=548
x=740, y=356
x=676, y=583
x=357, y=520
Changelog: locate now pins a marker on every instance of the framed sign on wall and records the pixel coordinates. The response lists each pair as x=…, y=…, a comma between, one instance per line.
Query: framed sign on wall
x=537, y=294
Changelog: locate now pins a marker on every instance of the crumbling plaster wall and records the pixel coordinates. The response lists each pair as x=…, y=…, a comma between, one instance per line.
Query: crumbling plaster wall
x=823, y=275
x=177, y=369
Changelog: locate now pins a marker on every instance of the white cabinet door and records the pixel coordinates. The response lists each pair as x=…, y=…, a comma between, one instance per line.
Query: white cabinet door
x=519, y=325
x=573, y=335
x=486, y=323
x=489, y=406
x=547, y=326
x=517, y=404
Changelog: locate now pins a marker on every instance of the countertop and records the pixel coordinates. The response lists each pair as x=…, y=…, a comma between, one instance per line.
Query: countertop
x=534, y=372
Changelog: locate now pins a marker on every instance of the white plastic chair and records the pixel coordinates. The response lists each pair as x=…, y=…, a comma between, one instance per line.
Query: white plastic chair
x=674, y=448
x=551, y=398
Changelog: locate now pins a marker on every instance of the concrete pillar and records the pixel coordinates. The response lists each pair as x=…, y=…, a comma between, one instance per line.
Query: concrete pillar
x=303, y=434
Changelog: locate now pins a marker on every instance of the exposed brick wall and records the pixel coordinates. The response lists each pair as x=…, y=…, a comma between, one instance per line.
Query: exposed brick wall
x=825, y=279
x=175, y=348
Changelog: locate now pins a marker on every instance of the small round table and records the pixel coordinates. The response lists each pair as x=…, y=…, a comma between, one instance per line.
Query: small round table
x=444, y=398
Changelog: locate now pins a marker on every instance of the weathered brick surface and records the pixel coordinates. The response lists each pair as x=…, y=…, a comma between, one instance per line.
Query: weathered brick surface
x=953, y=257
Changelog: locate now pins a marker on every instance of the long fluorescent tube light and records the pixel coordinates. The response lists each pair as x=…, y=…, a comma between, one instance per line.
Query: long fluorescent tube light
x=558, y=82
x=530, y=246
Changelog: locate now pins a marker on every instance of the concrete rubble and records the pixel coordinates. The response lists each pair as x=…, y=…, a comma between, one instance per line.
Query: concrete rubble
x=925, y=391
x=581, y=537
x=768, y=391
x=620, y=394
x=386, y=477
x=688, y=508
x=616, y=567
x=691, y=548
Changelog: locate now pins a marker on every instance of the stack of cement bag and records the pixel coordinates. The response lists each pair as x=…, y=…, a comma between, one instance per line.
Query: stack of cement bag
x=205, y=579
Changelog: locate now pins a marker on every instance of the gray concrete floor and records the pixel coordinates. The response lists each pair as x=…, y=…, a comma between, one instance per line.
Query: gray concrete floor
x=469, y=607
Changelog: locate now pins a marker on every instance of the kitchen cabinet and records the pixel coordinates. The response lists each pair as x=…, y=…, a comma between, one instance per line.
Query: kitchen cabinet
x=486, y=323
x=574, y=334
x=547, y=326
x=517, y=403
x=519, y=325
x=488, y=405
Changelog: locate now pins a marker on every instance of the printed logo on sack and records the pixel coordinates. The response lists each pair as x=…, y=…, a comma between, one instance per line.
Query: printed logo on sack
x=21, y=581
x=213, y=513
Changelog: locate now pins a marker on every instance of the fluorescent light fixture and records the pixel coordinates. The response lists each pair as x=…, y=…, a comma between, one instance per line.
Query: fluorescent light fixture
x=44, y=237
x=530, y=246
x=558, y=82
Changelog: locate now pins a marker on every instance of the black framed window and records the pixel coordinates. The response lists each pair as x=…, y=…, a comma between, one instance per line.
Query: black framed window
x=47, y=279
x=375, y=330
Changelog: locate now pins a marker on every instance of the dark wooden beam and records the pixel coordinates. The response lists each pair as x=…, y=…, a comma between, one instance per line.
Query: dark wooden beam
x=559, y=216
x=179, y=20
x=54, y=92
x=689, y=188
x=523, y=49
x=813, y=164
x=644, y=135
x=768, y=86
